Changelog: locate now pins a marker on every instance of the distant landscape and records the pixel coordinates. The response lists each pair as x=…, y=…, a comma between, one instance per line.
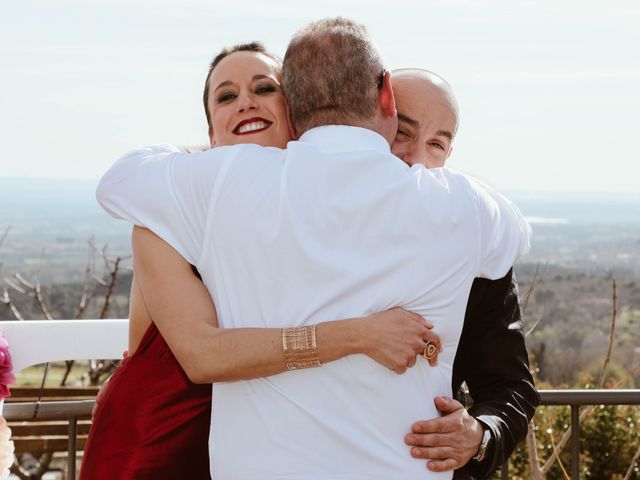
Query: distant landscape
x=580, y=242
x=54, y=233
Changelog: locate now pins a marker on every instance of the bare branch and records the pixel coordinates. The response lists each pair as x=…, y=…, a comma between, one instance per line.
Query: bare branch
x=634, y=460
x=100, y=280
x=68, y=366
x=89, y=288
x=110, y=288
x=532, y=450
x=24, y=282
x=85, y=301
x=105, y=258
x=32, y=290
x=556, y=454
x=98, y=368
x=41, y=303
x=8, y=301
x=535, y=324
x=534, y=283
x=614, y=313
x=566, y=436
x=16, y=287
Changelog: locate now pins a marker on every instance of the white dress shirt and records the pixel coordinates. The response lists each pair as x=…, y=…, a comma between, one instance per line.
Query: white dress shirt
x=333, y=227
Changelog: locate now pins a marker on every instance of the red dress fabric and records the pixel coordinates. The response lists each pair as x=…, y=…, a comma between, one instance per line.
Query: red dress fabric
x=151, y=421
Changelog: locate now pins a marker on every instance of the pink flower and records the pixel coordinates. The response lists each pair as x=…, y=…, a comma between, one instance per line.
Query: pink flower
x=6, y=368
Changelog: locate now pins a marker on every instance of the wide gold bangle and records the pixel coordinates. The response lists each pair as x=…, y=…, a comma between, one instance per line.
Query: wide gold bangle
x=300, y=348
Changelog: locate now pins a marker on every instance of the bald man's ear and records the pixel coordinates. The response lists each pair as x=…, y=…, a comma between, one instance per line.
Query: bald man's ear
x=387, y=100
x=450, y=152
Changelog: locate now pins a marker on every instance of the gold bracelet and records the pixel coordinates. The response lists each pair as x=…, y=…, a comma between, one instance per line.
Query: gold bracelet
x=300, y=348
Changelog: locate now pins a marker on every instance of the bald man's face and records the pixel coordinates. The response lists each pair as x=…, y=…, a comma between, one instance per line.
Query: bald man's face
x=427, y=121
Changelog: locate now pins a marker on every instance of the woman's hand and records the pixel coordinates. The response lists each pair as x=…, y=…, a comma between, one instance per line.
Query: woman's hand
x=396, y=337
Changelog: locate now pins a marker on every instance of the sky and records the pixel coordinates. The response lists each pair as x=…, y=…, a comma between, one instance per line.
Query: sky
x=548, y=90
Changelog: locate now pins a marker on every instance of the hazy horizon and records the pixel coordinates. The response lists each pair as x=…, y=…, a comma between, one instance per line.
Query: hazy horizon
x=634, y=194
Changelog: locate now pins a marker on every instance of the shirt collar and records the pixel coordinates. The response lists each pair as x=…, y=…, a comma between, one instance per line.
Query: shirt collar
x=344, y=138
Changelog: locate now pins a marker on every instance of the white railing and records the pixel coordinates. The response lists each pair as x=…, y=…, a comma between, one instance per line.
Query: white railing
x=39, y=341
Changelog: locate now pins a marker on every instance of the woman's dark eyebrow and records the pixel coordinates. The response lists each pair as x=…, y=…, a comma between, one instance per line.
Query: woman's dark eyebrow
x=229, y=82
x=267, y=77
x=223, y=84
x=403, y=118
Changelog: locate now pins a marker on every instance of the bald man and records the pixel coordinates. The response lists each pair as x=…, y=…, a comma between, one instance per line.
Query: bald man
x=492, y=358
x=427, y=117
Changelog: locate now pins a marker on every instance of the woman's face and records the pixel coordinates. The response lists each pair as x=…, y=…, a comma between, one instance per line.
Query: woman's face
x=246, y=102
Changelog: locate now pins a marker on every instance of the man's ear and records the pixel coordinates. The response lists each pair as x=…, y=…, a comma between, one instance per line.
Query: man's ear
x=450, y=152
x=212, y=138
x=292, y=129
x=387, y=99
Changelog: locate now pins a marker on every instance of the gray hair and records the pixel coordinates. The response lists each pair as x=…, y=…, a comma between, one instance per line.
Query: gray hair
x=332, y=73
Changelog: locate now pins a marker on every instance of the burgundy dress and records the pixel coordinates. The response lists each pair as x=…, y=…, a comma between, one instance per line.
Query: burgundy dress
x=151, y=421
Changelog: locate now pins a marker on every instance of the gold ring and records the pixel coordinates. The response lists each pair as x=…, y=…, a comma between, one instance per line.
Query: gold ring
x=430, y=350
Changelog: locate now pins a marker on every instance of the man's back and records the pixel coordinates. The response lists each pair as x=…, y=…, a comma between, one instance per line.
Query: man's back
x=333, y=227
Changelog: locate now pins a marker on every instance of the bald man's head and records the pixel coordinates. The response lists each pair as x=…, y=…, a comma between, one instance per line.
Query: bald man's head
x=427, y=117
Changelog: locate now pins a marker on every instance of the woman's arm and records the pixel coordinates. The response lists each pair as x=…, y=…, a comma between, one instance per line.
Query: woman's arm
x=184, y=313
x=139, y=318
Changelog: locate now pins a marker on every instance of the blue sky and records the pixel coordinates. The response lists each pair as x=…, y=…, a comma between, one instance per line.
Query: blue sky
x=548, y=89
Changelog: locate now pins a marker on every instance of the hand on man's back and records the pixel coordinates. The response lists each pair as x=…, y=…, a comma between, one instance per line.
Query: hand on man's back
x=447, y=442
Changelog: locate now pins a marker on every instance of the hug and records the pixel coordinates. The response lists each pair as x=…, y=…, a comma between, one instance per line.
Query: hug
x=312, y=291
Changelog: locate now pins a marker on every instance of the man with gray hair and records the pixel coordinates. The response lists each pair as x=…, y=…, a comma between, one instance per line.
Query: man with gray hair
x=492, y=356
x=323, y=74
x=334, y=226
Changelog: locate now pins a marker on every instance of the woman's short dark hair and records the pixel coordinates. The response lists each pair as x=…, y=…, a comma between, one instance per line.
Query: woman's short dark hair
x=257, y=47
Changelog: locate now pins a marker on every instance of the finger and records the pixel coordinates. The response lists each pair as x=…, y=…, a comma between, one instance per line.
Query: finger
x=420, y=319
x=412, y=361
x=443, y=465
x=447, y=405
x=429, y=336
x=446, y=424
x=430, y=352
x=428, y=440
x=425, y=322
x=418, y=346
x=432, y=453
x=432, y=348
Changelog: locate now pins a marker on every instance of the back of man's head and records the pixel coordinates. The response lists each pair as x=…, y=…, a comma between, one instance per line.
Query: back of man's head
x=332, y=73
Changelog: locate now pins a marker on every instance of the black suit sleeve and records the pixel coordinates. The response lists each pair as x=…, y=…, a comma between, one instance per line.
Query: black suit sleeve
x=492, y=359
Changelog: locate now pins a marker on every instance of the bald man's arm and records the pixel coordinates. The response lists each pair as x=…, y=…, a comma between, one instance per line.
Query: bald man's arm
x=492, y=359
